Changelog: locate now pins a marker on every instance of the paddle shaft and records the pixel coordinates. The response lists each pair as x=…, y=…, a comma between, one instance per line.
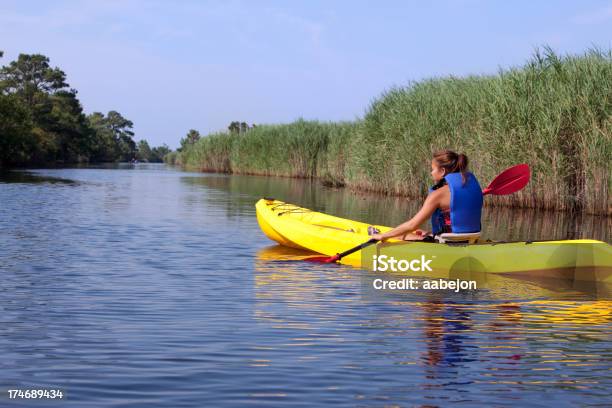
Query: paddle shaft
x=352, y=250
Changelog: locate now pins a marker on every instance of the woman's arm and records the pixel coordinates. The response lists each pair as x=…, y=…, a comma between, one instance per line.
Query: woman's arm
x=429, y=206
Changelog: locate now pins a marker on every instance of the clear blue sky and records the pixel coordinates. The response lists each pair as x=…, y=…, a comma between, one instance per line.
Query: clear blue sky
x=171, y=66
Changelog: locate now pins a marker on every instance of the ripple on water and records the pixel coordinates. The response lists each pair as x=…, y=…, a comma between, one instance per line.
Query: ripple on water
x=144, y=286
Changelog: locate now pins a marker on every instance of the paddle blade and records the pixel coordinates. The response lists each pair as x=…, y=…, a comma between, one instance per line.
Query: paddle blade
x=322, y=259
x=509, y=181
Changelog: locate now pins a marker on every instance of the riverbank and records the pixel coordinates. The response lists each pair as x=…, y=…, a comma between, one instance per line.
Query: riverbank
x=555, y=113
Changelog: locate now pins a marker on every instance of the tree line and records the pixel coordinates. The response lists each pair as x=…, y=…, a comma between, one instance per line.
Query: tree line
x=42, y=121
x=235, y=127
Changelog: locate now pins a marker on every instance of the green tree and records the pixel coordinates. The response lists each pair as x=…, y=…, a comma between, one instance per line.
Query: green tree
x=144, y=152
x=59, y=128
x=158, y=153
x=113, y=137
x=238, y=127
x=234, y=127
x=152, y=155
x=191, y=138
x=67, y=122
x=104, y=147
x=31, y=77
x=121, y=128
x=16, y=140
x=43, y=121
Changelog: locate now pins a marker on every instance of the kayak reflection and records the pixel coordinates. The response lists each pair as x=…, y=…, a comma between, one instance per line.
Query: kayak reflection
x=512, y=333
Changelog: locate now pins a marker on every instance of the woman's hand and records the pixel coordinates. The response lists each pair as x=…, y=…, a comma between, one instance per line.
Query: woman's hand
x=378, y=237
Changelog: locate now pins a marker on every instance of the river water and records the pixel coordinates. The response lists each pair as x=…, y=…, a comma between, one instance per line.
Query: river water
x=147, y=286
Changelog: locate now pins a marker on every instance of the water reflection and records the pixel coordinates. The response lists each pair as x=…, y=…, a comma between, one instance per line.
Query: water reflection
x=287, y=263
x=437, y=342
x=24, y=177
x=498, y=223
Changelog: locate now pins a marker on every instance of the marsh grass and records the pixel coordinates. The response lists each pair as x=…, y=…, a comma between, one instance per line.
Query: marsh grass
x=554, y=113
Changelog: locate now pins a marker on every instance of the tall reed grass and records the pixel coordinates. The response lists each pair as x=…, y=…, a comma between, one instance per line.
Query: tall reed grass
x=555, y=113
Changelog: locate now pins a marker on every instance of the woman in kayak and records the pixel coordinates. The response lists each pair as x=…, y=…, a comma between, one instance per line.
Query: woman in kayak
x=454, y=203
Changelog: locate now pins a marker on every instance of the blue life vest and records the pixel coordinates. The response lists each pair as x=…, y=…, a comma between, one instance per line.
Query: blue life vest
x=465, y=205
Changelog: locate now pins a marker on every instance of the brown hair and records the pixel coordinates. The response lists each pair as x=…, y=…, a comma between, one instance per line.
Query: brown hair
x=452, y=162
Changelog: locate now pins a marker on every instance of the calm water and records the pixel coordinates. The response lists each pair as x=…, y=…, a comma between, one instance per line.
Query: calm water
x=146, y=286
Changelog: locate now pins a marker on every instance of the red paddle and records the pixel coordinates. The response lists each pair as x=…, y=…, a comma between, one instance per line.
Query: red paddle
x=509, y=181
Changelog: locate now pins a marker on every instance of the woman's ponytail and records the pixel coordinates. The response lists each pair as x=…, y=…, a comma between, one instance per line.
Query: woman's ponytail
x=452, y=162
x=461, y=167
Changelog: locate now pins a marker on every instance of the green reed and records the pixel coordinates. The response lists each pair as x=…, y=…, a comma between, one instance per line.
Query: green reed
x=555, y=113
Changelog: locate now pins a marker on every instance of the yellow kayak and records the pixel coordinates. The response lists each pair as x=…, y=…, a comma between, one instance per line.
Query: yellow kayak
x=297, y=227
